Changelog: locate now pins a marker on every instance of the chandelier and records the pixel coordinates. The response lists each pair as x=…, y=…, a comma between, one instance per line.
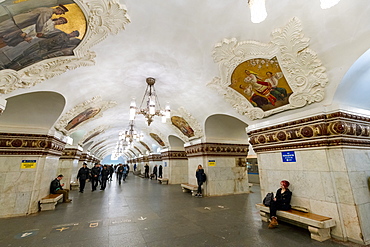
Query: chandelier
x=149, y=106
x=259, y=14
x=130, y=135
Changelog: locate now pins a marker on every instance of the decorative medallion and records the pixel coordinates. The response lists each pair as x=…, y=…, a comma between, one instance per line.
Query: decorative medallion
x=82, y=113
x=157, y=139
x=187, y=126
x=259, y=80
x=42, y=39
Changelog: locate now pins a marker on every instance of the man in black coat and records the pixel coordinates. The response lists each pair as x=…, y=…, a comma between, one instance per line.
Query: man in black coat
x=155, y=172
x=146, y=171
x=82, y=175
x=95, y=172
x=57, y=188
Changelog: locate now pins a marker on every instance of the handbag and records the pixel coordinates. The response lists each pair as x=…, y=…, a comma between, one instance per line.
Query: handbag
x=268, y=199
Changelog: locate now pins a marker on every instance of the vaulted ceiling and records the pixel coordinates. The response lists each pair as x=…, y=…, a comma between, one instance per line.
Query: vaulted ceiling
x=173, y=42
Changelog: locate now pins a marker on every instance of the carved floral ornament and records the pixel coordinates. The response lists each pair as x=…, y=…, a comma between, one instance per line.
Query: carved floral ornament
x=303, y=71
x=102, y=16
x=82, y=113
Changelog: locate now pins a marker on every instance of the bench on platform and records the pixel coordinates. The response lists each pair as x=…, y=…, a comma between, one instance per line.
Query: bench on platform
x=49, y=202
x=163, y=180
x=318, y=225
x=189, y=187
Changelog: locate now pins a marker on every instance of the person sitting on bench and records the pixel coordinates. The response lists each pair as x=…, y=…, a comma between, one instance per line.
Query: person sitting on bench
x=57, y=188
x=280, y=202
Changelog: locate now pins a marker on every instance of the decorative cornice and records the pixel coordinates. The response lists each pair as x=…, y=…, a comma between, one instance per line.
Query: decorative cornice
x=84, y=157
x=217, y=149
x=326, y=130
x=30, y=144
x=300, y=65
x=155, y=157
x=174, y=155
x=102, y=16
x=71, y=153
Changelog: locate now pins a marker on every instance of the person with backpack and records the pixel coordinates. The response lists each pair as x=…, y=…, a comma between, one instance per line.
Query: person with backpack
x=125, y=172
x=201, y=178
x=280, y=202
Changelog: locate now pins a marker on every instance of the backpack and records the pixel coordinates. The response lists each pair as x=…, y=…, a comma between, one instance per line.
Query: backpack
x=268, y=199
x=204, y=177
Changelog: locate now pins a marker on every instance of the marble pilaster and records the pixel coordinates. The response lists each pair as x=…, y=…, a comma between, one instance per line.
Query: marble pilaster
x=331, y=170
x=69, y=165
x=221, y=164
x=23, y=186
x=175, y=166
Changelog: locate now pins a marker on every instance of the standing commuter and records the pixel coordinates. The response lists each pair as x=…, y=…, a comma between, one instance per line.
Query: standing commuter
x=155, y=172
x=82, y=176
x=146, y=171
x=119, y=173
x=104, y=177
x=95, y=172
x=160, y=171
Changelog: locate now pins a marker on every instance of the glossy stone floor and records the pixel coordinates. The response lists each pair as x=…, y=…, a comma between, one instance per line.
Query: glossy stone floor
x=142, y=212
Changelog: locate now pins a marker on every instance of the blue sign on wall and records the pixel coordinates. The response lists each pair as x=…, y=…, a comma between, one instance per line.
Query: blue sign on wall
x=288, y=156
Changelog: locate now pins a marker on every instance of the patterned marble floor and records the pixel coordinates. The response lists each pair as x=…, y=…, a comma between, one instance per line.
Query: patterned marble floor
x=142, y=212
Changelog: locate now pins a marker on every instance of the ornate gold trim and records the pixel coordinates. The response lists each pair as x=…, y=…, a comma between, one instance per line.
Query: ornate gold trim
x=217, y=149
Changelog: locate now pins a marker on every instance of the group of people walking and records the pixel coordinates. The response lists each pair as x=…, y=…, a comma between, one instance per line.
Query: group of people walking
x=100, y=174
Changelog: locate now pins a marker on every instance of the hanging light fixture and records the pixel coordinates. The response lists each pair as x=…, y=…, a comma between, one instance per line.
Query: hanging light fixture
x=130, y=135
x=258, y=10
x=149, y=106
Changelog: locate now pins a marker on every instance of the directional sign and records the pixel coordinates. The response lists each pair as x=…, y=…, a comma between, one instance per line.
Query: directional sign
x=288, y=156
x=26, y=234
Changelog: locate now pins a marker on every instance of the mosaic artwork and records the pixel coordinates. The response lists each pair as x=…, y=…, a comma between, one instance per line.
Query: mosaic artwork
x=262, y=82
x=183, y=126
x=83, y=116
x=34, y=30
x=157, y=139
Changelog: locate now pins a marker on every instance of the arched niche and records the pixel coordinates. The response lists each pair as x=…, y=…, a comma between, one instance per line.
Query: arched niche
x=353, y=90
x=176, y=143
x=33, y=113
x=225, y=129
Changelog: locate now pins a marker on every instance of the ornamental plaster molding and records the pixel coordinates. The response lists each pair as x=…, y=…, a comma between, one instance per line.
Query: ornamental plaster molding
x=192, y=121
x=217, y=149
x=338, y=129
x=300, y=65
x=102, y=16
x=92, y=134
x=95, y=102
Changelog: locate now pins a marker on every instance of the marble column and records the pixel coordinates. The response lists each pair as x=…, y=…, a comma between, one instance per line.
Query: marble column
x=221, y=162
x=331, y=168
x=28, y=164
x=69, y=165
x=175, y=166
x=154, y=160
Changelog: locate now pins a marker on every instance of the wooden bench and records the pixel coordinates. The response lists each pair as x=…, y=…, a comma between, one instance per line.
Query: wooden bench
x=163, y=180
x=318, y=225
x=49, y=202
x=189, y=187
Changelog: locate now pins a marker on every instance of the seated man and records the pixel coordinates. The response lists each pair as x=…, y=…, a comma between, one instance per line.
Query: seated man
x=56, y=188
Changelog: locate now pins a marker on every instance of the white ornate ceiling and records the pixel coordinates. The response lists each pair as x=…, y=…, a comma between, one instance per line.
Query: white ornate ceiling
x=174, y=42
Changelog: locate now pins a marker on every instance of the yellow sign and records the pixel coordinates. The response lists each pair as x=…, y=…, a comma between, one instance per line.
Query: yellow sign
x=27, y=164
x=211, y=163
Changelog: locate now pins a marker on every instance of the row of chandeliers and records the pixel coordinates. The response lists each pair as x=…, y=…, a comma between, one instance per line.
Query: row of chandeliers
x=149, y=108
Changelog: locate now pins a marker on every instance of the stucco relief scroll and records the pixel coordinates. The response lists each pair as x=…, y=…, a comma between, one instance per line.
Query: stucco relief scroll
x=102, y=18
x=299, y=76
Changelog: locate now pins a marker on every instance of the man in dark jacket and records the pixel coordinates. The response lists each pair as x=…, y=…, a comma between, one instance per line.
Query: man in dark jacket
x=119, y=173
x=57, y=188
x=95, y=172
x=155, y=172
x=146, y=171
x=82, y=175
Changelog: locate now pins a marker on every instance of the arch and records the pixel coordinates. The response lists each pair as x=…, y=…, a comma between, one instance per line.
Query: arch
x=225, y=129
x=176, y=143
x=23, y=112
x=352, y=90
